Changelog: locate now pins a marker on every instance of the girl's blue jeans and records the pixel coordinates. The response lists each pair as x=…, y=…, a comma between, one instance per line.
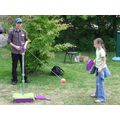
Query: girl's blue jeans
x=100, y=91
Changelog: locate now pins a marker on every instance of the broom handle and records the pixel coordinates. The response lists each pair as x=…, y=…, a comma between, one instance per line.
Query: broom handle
x=23, y=72
x=24, y=45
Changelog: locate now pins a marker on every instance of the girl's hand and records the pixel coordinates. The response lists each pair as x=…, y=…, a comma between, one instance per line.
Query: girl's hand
x=99, y=69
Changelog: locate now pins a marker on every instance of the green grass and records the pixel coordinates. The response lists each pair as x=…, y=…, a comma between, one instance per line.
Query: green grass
x=76, y=91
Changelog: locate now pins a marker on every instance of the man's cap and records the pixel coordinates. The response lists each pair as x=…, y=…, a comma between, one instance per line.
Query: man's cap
x=18, y=20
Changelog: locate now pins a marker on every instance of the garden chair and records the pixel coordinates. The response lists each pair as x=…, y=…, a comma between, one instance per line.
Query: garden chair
x=70, y=53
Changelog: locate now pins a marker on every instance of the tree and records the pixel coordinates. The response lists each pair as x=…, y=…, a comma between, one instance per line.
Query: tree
x=42, y=31
x=86, y=28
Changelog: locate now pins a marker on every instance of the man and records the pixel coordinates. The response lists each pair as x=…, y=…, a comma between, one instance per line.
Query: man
x=15, y=38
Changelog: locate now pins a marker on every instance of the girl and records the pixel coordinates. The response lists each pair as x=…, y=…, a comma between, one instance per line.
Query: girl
x=101, y=70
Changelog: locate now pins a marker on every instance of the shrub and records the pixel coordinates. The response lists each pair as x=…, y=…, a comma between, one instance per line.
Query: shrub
x=42, y=32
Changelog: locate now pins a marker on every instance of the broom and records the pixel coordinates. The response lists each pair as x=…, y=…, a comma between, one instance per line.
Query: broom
x=23, y=97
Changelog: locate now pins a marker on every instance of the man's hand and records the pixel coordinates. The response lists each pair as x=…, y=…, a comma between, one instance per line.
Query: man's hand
x=25, y=46
x=15, y=46
x=18, y=48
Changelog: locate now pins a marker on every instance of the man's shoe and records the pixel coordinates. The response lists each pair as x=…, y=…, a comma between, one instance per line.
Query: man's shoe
x=27, y=81
x=14, y=82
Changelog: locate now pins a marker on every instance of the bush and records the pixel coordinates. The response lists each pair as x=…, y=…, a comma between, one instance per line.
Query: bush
x=41, y=31
x=63, y=47
x=110, y=43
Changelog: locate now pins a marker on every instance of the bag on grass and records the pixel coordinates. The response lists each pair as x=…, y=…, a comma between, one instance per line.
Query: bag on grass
x=56, y=70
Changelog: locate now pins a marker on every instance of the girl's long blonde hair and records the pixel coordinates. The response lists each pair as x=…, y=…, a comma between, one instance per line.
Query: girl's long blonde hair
x=100, y=41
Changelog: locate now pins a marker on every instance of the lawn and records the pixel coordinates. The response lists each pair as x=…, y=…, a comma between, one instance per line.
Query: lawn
x=76, y=91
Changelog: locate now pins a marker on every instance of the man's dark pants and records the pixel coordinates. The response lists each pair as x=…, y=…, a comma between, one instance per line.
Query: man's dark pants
x=15, y=59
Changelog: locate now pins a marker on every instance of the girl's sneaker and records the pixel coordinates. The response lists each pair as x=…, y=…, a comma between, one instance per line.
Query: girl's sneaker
x=99, y=101
x=93, y=95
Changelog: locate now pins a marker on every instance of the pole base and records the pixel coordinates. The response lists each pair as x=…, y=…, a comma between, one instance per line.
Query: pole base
x=116, y=58
x=22, y=98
